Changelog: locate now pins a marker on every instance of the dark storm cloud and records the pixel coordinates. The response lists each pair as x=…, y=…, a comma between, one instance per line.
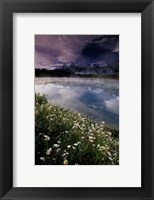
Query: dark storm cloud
x=102, y=49
x=53, y=49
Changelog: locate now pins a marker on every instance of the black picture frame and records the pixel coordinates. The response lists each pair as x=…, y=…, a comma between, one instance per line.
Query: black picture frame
x=7, y=8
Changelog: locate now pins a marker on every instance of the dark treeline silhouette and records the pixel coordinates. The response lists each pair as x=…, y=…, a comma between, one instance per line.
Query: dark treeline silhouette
x=54, y=73
x=67, y=73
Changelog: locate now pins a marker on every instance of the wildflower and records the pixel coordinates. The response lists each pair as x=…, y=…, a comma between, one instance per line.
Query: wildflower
x=91, y=141
x=115, y=154
x=49, y=128
x=75, y=144
x=58, y=142
x=73, y=147
x=65, y=162
x=42, y=158
x=65, y=153
x=109, y=153
x=102, y=148
x=68, y=146
x=58, y=150
x=56, y=145
x=46, y=138
x=48, y=151
x=98, y=145
x=110, y=158
x=82, y=137
x=109, y=133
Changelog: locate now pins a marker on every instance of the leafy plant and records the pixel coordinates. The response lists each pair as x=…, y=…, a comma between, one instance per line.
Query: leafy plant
x=70, y=138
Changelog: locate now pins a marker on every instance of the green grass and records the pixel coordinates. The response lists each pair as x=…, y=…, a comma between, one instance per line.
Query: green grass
x=66, y=137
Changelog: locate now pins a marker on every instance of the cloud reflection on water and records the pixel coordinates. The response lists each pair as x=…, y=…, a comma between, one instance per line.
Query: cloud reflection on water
x=98, y=99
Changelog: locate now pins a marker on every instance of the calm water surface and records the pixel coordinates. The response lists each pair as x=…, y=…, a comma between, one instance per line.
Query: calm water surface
x=94, y=97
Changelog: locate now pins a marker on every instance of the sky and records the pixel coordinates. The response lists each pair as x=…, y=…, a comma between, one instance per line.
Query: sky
x=52, y=51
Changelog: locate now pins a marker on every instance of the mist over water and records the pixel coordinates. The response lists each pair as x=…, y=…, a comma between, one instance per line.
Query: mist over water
x=94, y=97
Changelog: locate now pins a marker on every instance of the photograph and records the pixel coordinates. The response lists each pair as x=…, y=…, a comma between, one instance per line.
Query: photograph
x=76, y=99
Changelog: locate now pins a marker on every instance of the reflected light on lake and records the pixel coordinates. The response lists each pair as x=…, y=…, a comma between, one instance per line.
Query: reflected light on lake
x=94, y=97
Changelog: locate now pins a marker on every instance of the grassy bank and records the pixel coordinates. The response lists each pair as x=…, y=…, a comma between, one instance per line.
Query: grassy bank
x=66, y=137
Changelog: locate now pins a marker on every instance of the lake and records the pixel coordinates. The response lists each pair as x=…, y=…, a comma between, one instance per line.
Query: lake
x=94, y=97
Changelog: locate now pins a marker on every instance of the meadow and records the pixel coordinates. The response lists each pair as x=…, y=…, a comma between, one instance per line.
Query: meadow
x=64, y=137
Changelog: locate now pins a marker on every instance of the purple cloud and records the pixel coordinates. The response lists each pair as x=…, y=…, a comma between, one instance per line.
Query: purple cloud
x=53, y=49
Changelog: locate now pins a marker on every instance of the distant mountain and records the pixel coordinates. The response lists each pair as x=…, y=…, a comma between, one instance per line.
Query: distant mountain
x=72, y=69
x=91, y=69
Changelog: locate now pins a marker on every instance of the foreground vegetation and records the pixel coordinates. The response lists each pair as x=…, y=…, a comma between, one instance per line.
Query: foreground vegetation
x=66, y=137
